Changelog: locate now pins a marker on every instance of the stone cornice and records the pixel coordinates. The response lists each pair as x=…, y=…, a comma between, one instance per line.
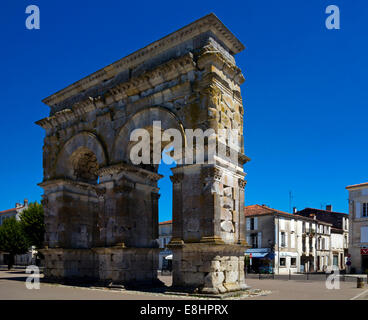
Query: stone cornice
x=205, y=24
x=210, y=56
x=165, y=72
x=121, y=167
x=64, y=181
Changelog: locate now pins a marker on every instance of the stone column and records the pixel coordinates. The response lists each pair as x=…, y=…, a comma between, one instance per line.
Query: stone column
x=209, y=257
x=70, y=210
x=129, y=251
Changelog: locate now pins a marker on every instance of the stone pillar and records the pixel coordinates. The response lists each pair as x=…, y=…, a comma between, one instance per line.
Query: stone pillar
x=129, y=226
x=71, y=210
x=208, y=247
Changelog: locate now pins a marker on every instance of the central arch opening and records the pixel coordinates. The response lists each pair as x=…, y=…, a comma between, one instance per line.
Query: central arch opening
x=165, y=210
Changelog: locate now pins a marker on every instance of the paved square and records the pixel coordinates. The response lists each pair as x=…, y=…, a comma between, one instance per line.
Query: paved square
x=12, y=287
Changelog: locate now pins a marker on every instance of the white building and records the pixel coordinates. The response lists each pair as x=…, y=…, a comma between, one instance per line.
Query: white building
x=14, y=212
x=286, y=242
x=338, y=249
x=21, y=259
x=358, y=214
x=165, y=233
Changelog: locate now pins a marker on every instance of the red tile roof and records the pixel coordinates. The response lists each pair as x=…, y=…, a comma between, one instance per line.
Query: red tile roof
x=262, y=210
x=8, y=211
x=364, y=184
x=166, y=222
x=258, y=210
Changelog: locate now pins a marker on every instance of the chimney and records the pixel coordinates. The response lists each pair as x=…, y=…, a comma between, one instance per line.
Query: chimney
x=295, y=210
x=329, y=207
x=26, y=203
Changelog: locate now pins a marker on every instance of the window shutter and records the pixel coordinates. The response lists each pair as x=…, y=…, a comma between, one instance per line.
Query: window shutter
x=280, y=239
x=256, y=223
x=248, y=223
x=357, y=210
x=292, y=241
x=282, y=224
x=259, y=239
x=286, y=239
x=364, y=234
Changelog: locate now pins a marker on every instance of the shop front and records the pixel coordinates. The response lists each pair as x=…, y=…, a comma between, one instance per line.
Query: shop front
x=259, y=260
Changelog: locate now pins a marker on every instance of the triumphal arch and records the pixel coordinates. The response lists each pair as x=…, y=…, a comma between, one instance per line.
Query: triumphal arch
x=101, y=210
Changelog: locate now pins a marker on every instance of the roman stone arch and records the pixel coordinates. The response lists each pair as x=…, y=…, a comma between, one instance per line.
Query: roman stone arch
x=144, y=119
x=101, y=208
x=81, y=154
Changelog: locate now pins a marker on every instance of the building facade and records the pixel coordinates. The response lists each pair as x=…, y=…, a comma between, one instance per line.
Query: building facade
x=358, y=229
x=20, y=259
x=286, y=243
x=14, y=212
x=338, y=250
x=165, y=234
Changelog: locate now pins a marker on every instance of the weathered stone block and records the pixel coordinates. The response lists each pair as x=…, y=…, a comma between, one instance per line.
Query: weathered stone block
x=227, y=226
x=226, y=214
x=231, y=276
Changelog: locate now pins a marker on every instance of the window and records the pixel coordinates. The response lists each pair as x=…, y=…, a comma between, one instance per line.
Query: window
x=252, y=223
x=346, y=241
x=336, y=260
x=364, y=209
x=307, y=227
x=254, y=240
x=282, y=224
x=364, y=234
x=282, y=262
x=292, y=225
x=283, y=239
x=259, y=235
x=293, y=262
x=292, y=241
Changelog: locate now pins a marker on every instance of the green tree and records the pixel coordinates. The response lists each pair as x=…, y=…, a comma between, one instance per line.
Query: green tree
x=13, y=239
x=32, y=221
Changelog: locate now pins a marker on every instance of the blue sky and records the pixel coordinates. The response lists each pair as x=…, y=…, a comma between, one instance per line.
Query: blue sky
x=305, y=93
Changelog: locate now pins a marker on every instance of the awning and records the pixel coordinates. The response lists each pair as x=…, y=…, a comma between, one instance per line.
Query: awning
x=258, y=254
x=169, y=257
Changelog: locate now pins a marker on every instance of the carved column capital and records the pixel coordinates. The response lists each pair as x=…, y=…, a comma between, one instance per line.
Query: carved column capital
x=212, y=172
x=242, y=183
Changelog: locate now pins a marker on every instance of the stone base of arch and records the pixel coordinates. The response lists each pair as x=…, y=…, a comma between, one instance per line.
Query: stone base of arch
x=118, y=265
x=208, y=268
